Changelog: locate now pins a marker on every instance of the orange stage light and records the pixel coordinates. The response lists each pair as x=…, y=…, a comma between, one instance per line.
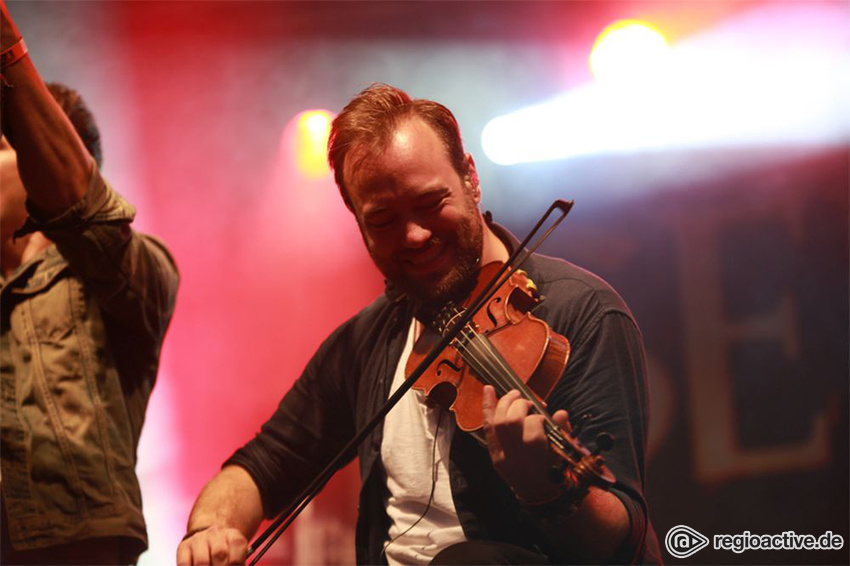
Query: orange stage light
x=311, y=142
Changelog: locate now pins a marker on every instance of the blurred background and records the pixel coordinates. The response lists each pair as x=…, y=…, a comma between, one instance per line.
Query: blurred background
x=706, y=146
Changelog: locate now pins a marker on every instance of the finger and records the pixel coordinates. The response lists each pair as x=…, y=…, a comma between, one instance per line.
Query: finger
x=518, y=410
x=535, y=438
x=511, y=428
x=199, y=550
x=219, y=552
x=238, y=547
x=504, y=405
x=563, y=419
x=184, y=554
x=488, y=404
x=532, y=428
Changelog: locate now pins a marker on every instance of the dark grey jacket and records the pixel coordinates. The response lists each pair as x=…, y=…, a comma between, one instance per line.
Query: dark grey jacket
x=349, y=378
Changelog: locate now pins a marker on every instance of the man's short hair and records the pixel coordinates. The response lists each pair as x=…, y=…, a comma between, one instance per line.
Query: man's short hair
x=81, y=118
x=372, y=116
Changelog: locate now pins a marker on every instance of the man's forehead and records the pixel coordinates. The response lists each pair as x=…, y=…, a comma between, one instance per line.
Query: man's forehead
x=364, y=159
x=360, y=166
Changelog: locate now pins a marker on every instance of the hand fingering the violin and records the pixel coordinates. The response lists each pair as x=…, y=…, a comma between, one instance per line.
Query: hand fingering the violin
x=518, y=445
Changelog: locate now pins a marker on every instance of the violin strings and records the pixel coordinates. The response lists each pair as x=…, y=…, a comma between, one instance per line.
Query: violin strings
x=469, y=339
x=486, y=361
x=480, y=363
x=490, y=365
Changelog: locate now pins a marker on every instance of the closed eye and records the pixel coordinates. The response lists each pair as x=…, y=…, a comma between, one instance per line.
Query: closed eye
x=431, y=203
x=379, y=222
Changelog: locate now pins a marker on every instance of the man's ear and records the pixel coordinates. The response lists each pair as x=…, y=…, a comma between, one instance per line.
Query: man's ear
x=470, y=178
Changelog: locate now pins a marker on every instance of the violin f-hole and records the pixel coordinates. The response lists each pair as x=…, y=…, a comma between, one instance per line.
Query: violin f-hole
x=493, y=320
x=439, y=368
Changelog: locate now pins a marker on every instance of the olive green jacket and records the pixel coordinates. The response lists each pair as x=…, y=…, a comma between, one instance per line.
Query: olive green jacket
x=82, y=327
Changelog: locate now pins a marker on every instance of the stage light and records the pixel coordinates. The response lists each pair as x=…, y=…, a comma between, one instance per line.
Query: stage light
x=628, y=50
x=311, y=143
x=740, y=84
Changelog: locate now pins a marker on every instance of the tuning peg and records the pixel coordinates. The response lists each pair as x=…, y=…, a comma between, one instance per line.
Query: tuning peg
x=576, y=428
x=604, y=442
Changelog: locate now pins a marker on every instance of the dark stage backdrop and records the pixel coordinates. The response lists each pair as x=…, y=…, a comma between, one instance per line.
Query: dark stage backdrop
x=733, y=259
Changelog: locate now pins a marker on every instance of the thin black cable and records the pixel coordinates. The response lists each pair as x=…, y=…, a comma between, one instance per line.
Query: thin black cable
x=264, y=541
x=433, y=484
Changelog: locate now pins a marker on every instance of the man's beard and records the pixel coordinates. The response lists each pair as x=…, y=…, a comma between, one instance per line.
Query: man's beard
x=452, y=286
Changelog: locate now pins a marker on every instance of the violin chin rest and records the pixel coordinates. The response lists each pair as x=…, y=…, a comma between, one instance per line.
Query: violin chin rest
x=443, y=395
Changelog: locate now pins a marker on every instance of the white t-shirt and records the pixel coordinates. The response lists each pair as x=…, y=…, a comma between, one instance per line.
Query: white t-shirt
x=407, y=452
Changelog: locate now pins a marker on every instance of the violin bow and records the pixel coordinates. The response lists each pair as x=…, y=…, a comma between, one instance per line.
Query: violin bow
x=268, y=537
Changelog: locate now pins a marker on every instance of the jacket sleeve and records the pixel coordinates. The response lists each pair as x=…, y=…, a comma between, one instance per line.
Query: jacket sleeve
x=604, y=389
x=312, y=424
x=132, y=275
x=607, y=393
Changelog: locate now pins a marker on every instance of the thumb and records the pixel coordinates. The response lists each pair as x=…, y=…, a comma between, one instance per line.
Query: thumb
x=488, y=406
x=563, y=419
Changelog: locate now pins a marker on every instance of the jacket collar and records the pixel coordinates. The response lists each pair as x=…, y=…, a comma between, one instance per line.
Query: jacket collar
x=37, y=273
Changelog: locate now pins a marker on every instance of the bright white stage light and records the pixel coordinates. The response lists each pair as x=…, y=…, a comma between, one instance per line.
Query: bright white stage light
x=745, y=83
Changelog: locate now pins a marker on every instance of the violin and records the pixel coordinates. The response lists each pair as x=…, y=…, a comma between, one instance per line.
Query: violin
x=507, y=347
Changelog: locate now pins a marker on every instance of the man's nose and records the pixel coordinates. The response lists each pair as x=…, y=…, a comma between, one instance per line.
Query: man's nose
x=416, y=235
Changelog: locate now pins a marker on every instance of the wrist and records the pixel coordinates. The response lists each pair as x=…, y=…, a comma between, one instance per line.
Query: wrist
x=546, y=490
x=561, y=502
x=556, y=509
x=192, y=532
x=540, y=497
x=12, y=54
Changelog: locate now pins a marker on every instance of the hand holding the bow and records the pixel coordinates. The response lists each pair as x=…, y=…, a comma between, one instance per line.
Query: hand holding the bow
x=227, y=512
x=214, y=545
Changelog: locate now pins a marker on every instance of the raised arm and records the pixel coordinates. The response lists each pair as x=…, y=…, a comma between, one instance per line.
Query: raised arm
x=53, y=162
x=133, y=276
x=226, y=513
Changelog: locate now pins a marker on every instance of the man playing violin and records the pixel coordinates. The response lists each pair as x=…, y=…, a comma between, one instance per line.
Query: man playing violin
x=401, y=169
